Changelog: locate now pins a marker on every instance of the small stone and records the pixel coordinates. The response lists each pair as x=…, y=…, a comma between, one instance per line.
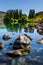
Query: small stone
x=1, y=45
x=6, y=37
x=40, y=41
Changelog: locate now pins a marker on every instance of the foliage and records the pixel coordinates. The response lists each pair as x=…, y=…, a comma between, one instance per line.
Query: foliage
x=14, y=17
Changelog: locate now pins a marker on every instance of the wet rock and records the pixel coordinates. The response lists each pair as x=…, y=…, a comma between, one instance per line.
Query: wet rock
x=40, y=41
x=28, y=37
x=27, y=47
x=23, y=42
x=14, y=53
x=17, y=53
x=6, y=37
x=40, y=31
x=40, y=25
x=1, y=45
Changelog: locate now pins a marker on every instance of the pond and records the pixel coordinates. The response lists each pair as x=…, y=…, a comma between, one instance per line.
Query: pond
x=34, y=57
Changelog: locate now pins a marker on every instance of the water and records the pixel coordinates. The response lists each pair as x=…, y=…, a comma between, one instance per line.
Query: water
x=35, y=56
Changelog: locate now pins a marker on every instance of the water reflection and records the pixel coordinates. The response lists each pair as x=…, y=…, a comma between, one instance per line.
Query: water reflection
x=19, y=27
x=31, y=29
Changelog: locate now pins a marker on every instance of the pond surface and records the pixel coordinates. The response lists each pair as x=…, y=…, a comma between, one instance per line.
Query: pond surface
x=35, y=56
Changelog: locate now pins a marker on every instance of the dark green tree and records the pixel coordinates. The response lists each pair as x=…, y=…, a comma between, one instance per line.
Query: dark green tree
x=31, y=13
x=20, y=13
x=16, y=15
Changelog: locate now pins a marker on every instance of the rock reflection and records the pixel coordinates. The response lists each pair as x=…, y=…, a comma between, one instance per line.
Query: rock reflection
x=26, y=29
x=31, y=29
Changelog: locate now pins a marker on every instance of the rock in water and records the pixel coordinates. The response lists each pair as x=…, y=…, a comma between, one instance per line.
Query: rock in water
x=14, y=53
x=40, y=41
x=17, y=53
x=1, y=45
x=22, y=42
x=40, y=31
x=24, y=39
x=6, y=37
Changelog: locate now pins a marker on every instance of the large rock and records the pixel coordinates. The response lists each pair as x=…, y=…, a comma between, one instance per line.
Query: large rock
x=1, y=45
x=40, y=41
x=6, y=37
x=23, y=42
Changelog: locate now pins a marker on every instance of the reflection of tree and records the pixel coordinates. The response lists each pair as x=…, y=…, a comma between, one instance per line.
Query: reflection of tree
x=26, y=30
x=31, y=29
x=15, y=27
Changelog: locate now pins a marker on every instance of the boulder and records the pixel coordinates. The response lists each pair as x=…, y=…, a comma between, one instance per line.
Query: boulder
x=6, y=37
x=22, y=42
x=40, y=41
x=1, y=45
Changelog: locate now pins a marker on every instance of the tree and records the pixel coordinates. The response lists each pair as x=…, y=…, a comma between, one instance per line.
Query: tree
x=31, y=13
x=10, y=13
x=20, y=13
x=16, y=15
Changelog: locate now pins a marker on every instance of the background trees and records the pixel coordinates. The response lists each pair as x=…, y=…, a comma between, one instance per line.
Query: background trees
x=13, y=17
